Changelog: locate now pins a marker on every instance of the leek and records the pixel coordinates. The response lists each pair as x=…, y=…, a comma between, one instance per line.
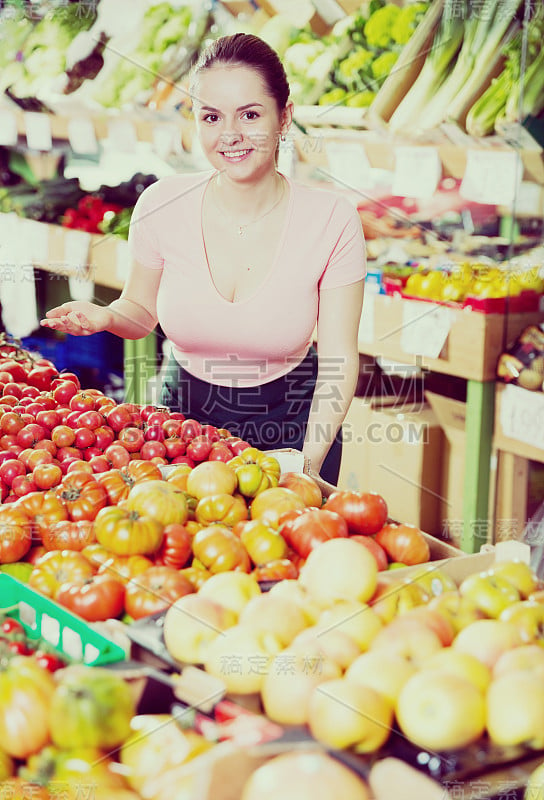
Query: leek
x=485, y=29
x=444, y=48
x=490, y=106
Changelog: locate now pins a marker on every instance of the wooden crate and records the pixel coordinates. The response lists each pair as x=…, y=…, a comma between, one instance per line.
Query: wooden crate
x=473, y=345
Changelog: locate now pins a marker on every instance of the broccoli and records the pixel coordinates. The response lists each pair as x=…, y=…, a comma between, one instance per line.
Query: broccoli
x=383, y=64
x=332, y=97
x=379, y=28
x=361, y=99
x=351, y=70
x=407, y=21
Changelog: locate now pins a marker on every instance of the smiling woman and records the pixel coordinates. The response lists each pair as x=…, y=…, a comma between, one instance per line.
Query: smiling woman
x=239, y=264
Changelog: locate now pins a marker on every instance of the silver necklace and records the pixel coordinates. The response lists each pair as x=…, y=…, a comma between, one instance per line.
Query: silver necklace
x=242, y=228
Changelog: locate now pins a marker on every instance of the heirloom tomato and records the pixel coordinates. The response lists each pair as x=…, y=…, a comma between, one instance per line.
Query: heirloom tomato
x=126, y=532
x=26, y=690
x=15, y=534
x=269, y=505
x=119, y=482
x=283, y=569
x=99, y=598
x=262, y=542
x=365, y=512
x=220, y=550
x=210, y=477
x=78, y=770
x=57, y=567
x=303, y=485
x=176, y=547
x=91, y=707
x=312, y=527
x=226, y=509
x=83, y=495
x=404, y=543
x=158, y=499
x=69, y=535
x=155, y=590
x=124, y=568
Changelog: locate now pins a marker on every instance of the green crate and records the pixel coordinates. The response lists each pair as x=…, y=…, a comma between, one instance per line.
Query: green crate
x=42, y=618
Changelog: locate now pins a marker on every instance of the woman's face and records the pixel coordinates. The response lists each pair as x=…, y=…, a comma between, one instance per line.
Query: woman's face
x=238, y=123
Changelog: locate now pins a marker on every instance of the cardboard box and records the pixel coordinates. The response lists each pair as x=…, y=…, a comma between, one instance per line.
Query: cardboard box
x=451, y=415
x=519, y=421
x=396, y=451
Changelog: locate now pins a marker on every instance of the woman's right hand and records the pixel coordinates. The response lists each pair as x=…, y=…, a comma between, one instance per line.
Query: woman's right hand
x=78, y=318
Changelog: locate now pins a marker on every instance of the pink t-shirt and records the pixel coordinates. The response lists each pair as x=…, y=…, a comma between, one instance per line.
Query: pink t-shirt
x=263, y=337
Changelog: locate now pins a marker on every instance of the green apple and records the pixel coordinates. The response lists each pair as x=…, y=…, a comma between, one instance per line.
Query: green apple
x=460, y=610
x=394, y=597
x=491, y=593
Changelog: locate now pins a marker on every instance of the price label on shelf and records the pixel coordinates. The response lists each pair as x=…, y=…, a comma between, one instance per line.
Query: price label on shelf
x=82, y=136
x=425, y=328
x=349, y=165
x=37, y=235
x=38, y=131
x=491, y=177
x=8, y=128
x=522, y=415
x=417, y=171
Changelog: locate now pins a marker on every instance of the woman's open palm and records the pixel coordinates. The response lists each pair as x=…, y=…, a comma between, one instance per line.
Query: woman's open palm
x=78, y=318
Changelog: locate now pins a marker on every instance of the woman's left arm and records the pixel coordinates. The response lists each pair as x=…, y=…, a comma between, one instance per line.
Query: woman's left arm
x=338, y=368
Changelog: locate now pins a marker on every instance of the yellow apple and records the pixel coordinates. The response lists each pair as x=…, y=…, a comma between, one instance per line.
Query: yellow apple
x=330, y=644
x=440, y=711
x=241, y=658
x=392, y=598
x=459, y=610
x=436, y=621
x=191, y=624
x=232, y=590
x=288, y=685
x=519, y=574
x=528, y=656
x=515, y=709
x=409, y=638
x=293, y=591
x=433, y=580
x=273, y=614
x=465, y=665
x=344, y=714
x=490, y=593
x=7, y=766
x=304, y=776
x=487, y=639
x=383, y=671
x=355, y=619
x=339, y=569
x=528, y=616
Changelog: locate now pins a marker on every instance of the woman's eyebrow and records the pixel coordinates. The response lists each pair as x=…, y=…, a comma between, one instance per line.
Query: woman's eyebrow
x=240, y=108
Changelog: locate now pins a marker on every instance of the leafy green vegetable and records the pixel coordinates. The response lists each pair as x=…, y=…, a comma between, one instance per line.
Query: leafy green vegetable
x=490, y=106
x=383, y=64
x=527, y=95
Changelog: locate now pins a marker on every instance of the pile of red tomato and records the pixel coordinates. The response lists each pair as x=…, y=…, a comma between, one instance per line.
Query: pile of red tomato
x=119, y=508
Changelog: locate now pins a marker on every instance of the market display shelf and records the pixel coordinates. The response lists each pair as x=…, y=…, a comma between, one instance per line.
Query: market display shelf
x=66, y=633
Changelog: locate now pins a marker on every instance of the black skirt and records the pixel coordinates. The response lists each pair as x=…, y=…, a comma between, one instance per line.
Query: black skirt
x=269, y=416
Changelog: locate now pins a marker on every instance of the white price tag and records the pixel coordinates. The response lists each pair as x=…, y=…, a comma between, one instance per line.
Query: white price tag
x=37, y=234
x=82, y=136
x=491, y=177
x=122, y=135
x=349, y=165
x=522, y=415
x=123, y=260
x=38, y=131
x=425, y=328
x=417, y=171
x=366, y=323
x=8, y=128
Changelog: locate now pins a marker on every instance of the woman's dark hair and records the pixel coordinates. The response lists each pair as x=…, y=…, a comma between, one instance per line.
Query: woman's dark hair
x=247, y=50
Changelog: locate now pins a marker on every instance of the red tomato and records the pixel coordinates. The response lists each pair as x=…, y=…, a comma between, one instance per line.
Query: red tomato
x=155, y=590
x=15, y=534
x=117, y=455
x=11, y=422
x=48, y=661
x=152, y=449
x=404, y=543
x=312, y=527
x=82, y=494
x=176, y=548
x=46, y=476
x=365, y=512
x=63, y=435
x=282, y=569
x=64, y=391
x=99, y=598
x=41, y=377
x=376, y=549
x=131, y=438
x=199, y=447
x=10, y=468
x=189, y=429
x=23, y=484
x=83, y=401
x=91, y=419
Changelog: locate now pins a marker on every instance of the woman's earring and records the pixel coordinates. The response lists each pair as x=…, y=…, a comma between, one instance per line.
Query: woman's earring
x=282, y=137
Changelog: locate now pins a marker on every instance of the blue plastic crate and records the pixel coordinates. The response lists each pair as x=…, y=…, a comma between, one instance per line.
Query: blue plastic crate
x=102, y=352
